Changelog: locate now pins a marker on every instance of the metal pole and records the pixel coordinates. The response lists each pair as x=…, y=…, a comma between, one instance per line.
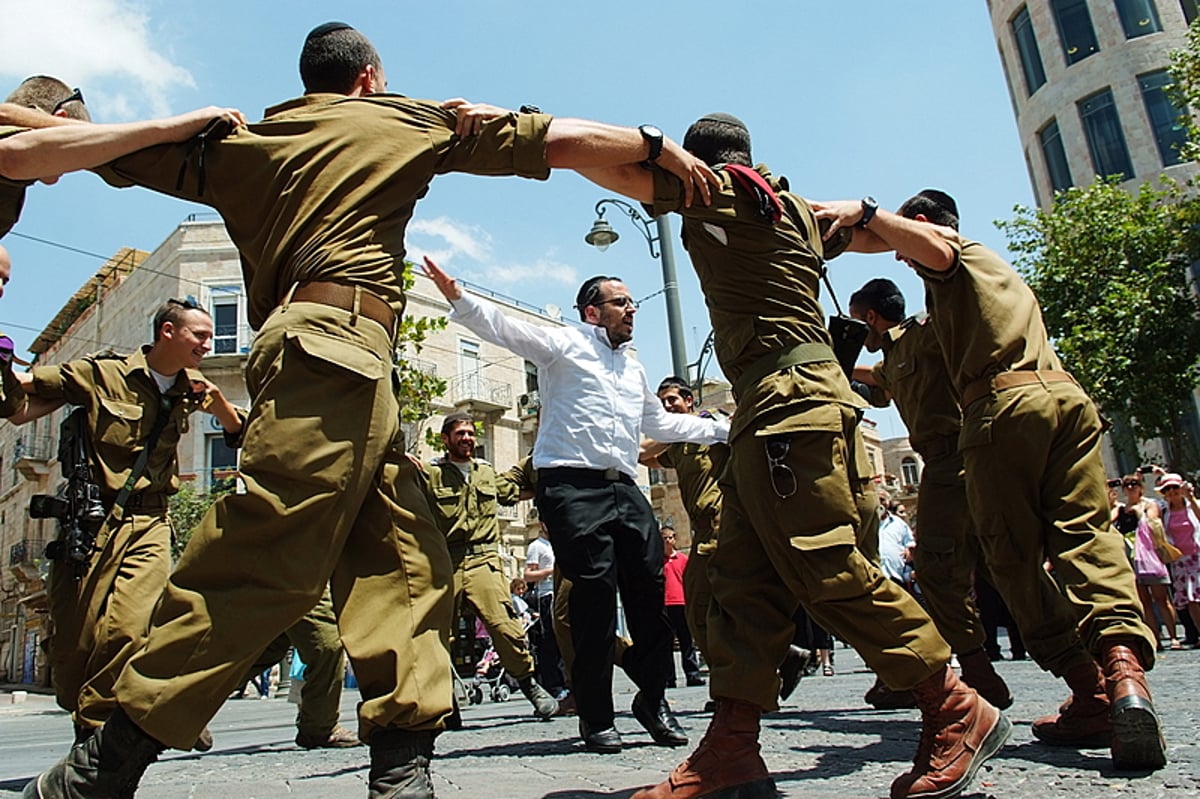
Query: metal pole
x=679, y=360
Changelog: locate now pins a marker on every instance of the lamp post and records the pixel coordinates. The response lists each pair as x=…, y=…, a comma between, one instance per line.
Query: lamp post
x=659, y=240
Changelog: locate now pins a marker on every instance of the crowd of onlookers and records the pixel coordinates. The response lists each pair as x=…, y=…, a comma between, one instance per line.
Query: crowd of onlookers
x=1161, y=539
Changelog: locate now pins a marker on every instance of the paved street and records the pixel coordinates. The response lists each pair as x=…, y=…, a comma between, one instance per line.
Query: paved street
x=824, y=743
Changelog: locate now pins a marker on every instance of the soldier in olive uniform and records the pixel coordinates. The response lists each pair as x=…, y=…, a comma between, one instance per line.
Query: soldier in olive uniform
x=101, y=612
x=1030, y=443
x=913, y=375
x=317, y=197
x=699, y=467
x=790, y=508
x=466, y=492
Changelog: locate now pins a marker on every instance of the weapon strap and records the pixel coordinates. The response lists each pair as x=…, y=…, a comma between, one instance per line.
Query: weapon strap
x=165, y=405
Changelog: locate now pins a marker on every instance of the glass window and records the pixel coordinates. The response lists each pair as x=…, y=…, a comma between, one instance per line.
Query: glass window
x=1190, y=11
x=1075, y=29
x=225, y=323
x=1138, y=17
x=1055, y=156
x=1027, y=49
x=1166, y=119
x=908, y=467
x=1105, y=139
x=222, y=463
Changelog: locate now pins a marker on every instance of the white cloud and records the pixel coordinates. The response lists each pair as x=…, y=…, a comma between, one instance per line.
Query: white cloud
x=466, y=251
x=103, y=46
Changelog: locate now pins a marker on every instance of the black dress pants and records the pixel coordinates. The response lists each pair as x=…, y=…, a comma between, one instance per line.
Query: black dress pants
x=606, y=540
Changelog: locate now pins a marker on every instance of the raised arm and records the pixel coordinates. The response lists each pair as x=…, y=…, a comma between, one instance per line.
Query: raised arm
x=55, y=148
x=922, y=242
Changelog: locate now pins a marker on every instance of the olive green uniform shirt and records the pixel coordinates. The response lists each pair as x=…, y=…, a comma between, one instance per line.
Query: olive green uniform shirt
x=760, y=282
x=987, y=319
x=467, y=509
x=699, y=467
x=914, y=372
x=323, y=188
x=12, y=192
x=122, y=402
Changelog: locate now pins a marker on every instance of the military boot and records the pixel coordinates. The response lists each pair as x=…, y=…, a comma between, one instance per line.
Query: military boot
x=109, y=763
x=959, y=732
x=544, y=705
x=1137, y=739
x=1084, y=720
x=978, y=672
x=400, y=765
x=726, y=763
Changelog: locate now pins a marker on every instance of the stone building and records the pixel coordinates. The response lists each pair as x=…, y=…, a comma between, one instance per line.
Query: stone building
x=113, y=311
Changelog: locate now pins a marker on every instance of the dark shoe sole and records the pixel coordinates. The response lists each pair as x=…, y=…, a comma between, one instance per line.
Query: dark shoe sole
x=759, y=789
x=987, y=749
x=602, y=749
x=1137, y=739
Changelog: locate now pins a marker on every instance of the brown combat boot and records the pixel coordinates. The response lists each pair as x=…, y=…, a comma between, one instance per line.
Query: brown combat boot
x=959, y=732
x=108, y=764
x=727, y=759
x=978, y=672
x=1137, y=739
x=1084, y=720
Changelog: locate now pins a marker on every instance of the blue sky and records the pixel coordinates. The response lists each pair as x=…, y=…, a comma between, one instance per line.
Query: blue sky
x=846, y=99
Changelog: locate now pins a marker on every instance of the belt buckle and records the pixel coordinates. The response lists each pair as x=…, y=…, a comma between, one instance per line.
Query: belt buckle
x=612, y=474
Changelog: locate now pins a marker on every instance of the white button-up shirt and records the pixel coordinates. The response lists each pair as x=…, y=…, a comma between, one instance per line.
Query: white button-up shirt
x=595, y=400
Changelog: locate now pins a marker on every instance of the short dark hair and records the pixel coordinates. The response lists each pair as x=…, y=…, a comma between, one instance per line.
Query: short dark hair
x=589, y=292
x=677, y=383
x=881, y=296
x=173, y=311
x=332, y=57
x=49, y=94
x=719, y=138
x=454, y=419
x=934, y=204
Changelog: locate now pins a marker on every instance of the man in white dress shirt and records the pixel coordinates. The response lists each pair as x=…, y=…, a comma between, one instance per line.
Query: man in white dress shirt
x=596, y=404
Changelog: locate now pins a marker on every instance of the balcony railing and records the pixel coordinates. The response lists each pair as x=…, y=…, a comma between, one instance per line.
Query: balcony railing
x=32, y=456
x=480, y=392
x=25, y=550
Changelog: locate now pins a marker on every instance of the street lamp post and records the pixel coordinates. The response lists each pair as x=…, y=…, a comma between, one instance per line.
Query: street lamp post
x=602, y=235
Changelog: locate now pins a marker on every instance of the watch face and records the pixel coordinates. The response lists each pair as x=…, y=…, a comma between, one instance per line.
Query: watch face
x=651, y=132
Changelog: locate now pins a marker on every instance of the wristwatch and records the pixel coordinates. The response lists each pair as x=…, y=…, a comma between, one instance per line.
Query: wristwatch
x=869, y=207
x=654, y=138
x=530, y=109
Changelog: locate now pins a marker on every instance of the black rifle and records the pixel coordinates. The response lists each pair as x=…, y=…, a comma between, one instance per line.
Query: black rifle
x=77, y=506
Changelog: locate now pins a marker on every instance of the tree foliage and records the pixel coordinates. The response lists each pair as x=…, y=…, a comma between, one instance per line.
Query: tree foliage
x=187, y=508
x=1112, y=271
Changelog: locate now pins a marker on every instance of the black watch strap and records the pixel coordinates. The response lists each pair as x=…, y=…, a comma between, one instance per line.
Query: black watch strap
x=869, y=207
x=530, y=109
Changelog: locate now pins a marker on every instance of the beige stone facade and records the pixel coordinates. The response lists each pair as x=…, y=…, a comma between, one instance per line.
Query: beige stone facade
x=1117, y=65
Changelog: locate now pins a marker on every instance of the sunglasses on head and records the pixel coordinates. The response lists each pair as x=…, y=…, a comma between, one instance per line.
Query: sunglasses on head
x=188, y=302
x=75, y=95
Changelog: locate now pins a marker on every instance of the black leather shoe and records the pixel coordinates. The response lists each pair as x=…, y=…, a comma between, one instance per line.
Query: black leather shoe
x=795, y=665
x=694, y=679
x=660, y=722
x=605, y=741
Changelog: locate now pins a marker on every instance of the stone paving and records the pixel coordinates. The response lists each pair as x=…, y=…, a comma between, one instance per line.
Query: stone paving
x=823, y=743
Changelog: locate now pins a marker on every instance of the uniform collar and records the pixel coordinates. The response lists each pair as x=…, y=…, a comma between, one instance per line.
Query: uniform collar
x=320, y=98
x=183, y=379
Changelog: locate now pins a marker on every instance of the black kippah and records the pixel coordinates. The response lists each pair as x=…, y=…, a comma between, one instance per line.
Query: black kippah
x=328, y=27
x=455, y=418
x=728, y=119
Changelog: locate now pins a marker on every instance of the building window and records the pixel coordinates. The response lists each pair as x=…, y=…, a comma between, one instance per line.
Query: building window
x=1055, y=156
x=531, y=375
x=910, y=472
x=1138, y=17
x=1075, y=29
x=1190, y=11
x=222, y=463
x=226, y=319
x=1105, y=139
x=1166, y=119
x=1027, y=49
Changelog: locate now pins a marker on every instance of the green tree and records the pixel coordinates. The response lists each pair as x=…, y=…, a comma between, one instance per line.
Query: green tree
x=1112, y=271
x=418, y=388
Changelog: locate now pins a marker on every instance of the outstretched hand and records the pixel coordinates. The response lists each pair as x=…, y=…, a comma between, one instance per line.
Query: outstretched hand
x=840, y=213
x=695, y=174
x=471, y=116
x=185, y=126
x=446, y=284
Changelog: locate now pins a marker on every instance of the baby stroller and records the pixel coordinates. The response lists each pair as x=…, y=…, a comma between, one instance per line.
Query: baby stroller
x=491, y=677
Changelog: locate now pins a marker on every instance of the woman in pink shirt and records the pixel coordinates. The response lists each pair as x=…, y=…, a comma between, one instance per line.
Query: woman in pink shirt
x=1182, y=523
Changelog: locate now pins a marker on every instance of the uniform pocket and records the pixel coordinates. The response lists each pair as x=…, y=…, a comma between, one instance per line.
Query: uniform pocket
x=975, y=433
x=338, y=354
x=118, y=423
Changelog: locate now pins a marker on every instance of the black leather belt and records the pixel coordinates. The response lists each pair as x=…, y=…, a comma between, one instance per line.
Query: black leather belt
x=612, y=475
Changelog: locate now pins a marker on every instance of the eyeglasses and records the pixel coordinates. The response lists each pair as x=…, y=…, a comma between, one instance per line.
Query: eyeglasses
x=620, y=302
x=1169, y=488
x=75, y=95
x=1115, y=483
x=189, y=302
x=783, y=479
x=1132, y=484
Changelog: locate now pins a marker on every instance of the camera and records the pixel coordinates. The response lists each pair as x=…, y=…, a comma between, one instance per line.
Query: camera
x=1145, y=469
